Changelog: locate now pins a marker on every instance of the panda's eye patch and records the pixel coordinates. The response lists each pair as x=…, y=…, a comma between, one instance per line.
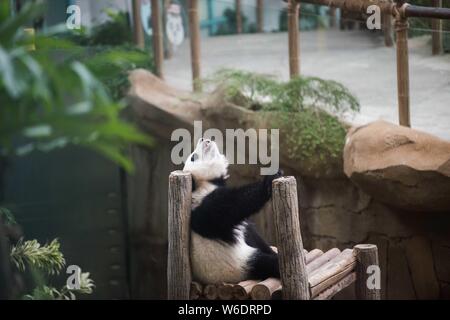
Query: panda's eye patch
x=194, y=157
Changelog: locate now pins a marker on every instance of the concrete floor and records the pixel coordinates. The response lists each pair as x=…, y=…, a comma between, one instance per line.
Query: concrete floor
x=359, y=60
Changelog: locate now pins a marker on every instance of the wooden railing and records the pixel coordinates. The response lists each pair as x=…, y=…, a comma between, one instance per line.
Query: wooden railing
x=400, y=11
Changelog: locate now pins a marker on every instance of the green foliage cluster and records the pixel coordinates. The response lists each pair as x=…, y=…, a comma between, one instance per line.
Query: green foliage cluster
x=111, y=40
x=114, y=32
x=50, y=100
x=30, y=256
x=308, y=108
x=112, y=64
x=47, y=258
x=50, y=293
x=65, y=293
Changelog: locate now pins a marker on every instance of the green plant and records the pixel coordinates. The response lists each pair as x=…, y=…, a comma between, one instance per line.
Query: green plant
x=307, y=109
x=41, y=260
x=112, y=68
x=47, y=258
x=49, y=101
x=258, y=91
x=65, y=293
x=115, y=31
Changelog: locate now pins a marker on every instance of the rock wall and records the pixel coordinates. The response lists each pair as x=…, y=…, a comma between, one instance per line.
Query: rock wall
x=413, y=247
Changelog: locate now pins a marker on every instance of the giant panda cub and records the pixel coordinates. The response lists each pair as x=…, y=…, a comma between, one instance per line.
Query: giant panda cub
x=225, y=246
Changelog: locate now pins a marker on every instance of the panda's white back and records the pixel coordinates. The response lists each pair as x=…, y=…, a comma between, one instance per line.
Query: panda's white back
x=214, y=261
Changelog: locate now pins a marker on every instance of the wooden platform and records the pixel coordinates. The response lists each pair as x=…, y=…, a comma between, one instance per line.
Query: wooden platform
x=328, y=273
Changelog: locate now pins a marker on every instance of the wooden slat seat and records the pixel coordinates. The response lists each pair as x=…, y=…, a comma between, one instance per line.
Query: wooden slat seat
x=328, y=273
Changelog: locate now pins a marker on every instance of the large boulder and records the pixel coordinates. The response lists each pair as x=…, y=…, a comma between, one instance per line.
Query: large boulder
x=399, y=166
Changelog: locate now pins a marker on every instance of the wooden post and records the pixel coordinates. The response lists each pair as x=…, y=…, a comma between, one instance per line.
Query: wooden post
x=437, y=31
x=194, y=29
x=158, y=50
x=289, y=240
x=238, y=16
x=366, y=256
x=401, y=29
x=387, y=28
x=293, y=35
x=178, y=264
x=138, y=32
x=260, y=15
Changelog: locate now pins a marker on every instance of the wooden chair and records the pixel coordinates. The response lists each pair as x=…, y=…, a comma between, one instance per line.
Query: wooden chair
x=304, y=275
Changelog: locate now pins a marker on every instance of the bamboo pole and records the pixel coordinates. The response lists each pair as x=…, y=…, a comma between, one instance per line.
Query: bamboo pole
x=178, y=265
x=260, y=15
x=401, y=29
x=194, y=29
x=385, y=6
x=437, y=31
x=138, y=32
x=158, y=50
x=366, y=255
x=293, y=36
x=291, y=257
x=387, y=28
x=238, y=16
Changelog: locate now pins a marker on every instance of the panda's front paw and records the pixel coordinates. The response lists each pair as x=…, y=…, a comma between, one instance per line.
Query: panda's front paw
x=268, y=181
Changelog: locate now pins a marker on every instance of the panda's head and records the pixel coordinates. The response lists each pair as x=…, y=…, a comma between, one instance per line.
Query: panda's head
x=206, y=163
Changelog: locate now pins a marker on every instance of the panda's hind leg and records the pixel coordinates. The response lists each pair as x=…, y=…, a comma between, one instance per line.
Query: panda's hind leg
x=263, y=265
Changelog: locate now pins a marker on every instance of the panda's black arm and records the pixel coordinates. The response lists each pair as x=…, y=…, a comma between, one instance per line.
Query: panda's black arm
x=224, y=208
